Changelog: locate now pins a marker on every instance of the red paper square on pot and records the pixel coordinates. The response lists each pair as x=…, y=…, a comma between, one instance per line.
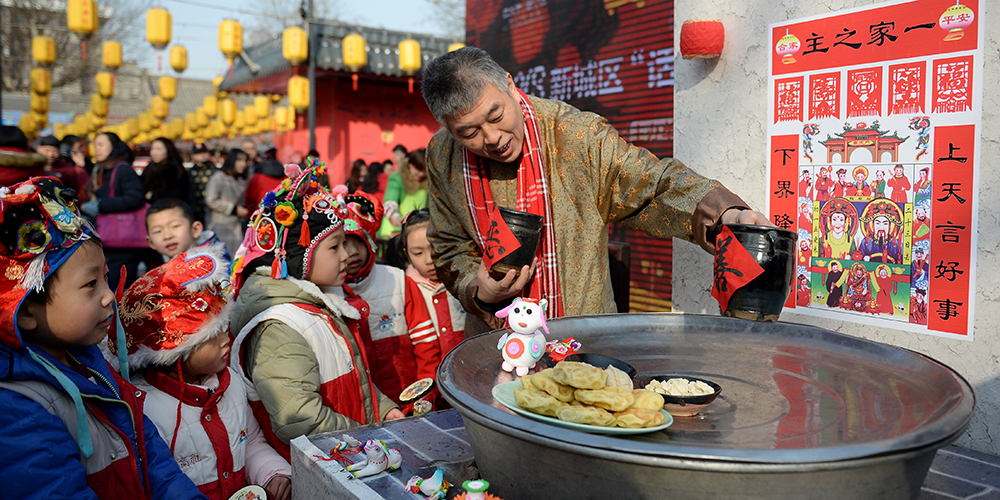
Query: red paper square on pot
x=734, y=267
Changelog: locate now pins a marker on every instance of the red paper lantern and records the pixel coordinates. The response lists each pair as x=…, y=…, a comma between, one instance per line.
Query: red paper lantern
x=702, y=38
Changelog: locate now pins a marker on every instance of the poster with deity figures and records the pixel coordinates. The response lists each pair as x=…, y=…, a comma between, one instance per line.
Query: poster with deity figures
x=874, y=118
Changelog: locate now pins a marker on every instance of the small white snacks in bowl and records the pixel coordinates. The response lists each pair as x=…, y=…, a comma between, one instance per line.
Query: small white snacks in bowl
x=684, y=396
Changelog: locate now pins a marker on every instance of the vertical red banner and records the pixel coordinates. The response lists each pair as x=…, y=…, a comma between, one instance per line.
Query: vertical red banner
x=784, y=163
x=951, y=235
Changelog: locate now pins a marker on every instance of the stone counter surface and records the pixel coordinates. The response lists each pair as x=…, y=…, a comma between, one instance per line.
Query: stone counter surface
x=439, y=440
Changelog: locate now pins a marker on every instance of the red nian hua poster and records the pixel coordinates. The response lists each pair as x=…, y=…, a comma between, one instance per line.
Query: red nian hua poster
x=882, y=108
x=612, y=57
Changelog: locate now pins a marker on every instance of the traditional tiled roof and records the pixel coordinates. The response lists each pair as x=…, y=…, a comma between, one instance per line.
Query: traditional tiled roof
x=382, y=45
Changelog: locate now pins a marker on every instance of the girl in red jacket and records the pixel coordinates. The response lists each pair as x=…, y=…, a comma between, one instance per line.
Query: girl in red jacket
x=446, y=311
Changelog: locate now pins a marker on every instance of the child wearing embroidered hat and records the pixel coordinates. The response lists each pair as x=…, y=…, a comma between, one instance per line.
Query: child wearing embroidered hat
x=56, y=307
x=404, y=345
x=299, y=347
x=176, y=320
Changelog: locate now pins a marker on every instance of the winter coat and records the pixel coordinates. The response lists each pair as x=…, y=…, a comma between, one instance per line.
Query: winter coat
x=166, y=181
x=269, y=174
x=445, y=309
x=301, y=351
x=129, y=193
x=219, y=444
x=404, y=345
x=38, y=431
x=200, y=174
x=222, y=195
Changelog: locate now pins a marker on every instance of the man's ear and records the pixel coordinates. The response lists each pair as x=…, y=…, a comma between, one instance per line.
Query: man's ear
x=26, y=320
x=196, y=229
x=510, y=84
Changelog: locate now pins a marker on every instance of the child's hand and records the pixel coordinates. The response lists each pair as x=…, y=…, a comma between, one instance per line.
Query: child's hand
x=394, y=414
x=279, y=488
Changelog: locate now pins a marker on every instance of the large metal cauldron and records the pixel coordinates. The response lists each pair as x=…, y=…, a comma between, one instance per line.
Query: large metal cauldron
x=804, y=413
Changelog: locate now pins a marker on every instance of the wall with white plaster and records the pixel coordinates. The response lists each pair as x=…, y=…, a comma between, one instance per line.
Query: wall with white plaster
x=720, y=120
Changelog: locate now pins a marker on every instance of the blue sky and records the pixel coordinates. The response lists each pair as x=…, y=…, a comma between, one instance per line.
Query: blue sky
x=196, y=27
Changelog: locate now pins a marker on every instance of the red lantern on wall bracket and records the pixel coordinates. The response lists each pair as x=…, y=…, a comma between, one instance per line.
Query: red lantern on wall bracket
x=702, y=38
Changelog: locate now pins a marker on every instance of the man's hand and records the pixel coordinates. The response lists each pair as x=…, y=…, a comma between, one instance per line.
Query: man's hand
x=737, y=216
x=279, y=488
x=492, y=291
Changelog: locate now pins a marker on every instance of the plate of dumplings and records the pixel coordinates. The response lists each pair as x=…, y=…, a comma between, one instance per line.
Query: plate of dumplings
x=585, y=398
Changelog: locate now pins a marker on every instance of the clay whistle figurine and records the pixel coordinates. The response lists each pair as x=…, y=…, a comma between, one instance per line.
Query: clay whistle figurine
x=378, y=457
x=435, y=487
x=525, y=344
x=476, y=490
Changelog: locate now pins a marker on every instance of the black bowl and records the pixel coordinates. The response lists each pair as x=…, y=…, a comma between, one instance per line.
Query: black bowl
x=683, y=406
x=602, y=361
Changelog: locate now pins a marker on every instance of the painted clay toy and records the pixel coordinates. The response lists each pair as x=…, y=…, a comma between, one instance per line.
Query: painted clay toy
x=525, y=345
x=476, y=490
x=378, y=457
x=435, y=487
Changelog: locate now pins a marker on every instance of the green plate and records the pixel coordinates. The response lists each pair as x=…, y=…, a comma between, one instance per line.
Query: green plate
x=504, y=393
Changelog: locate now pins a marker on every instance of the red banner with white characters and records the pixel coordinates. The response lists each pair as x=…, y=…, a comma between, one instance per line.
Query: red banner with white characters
x=885, y=203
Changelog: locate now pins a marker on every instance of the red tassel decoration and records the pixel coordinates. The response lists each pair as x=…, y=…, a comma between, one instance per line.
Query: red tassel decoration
x=304, y=236
x=276, y=266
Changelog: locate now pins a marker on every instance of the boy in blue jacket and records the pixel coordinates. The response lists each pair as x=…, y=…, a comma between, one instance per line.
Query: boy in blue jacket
x=70, y=426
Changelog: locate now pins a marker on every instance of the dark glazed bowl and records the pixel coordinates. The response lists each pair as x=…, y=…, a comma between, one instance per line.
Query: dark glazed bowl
x=683, y=406
x=527, y=228
x=774, y=249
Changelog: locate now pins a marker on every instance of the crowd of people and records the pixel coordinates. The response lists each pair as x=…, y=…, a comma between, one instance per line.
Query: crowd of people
x=261, y=305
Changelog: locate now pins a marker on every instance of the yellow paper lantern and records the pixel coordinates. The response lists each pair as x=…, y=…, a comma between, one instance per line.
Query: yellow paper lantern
x=81, y=17
x=160, y=108
x=262, y=105
x=250, y=115
x=158, y=27
x=41, y=81
x=187, y=135
x=133, y=126
x=239, y=123
x=98, y=105
x=230, y=39
x=106, y=84
x=355, y=53
x=455, y=46
x=219, y=128
x=227, y=108
x=409, y=58
x=215, y=86
x=168, y=87
x=298, y=92
x=178, y=58
x=39, y=103
x=154, y=121
x=111, y=53
x=28, y=125
x=291, y=118
x=43, y=49
x=276, y=98
x=99, y=121
x=201, y=117
x=191, y=120
x=144, y=125
x=211, y=106
x=281, y=116
x=177, y=126
x=295, y=45
x=41, y=120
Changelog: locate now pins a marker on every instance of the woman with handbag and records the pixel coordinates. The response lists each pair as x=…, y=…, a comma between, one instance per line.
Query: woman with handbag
x=224, y=196
x=117, y=207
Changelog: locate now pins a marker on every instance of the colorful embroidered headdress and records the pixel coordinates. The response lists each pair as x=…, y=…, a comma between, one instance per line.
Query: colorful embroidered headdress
x=289, y=222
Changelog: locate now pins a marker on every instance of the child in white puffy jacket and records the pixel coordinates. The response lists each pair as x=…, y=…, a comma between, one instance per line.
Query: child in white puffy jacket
x=175, y=320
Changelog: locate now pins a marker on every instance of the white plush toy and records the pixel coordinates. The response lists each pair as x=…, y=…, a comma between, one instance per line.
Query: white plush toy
x=523, y=347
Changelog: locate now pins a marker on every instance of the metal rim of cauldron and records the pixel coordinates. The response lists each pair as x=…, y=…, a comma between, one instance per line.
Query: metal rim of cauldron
x=706, y=458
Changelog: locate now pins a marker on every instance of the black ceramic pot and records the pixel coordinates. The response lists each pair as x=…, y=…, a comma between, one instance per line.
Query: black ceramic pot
x=774, y=249
x=527, y=228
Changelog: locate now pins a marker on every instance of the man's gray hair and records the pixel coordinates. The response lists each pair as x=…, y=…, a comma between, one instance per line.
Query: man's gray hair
x=453, y=82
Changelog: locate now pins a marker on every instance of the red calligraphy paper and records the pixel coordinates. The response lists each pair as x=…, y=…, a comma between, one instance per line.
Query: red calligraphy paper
x=782, y=200
x=953, y=85
x=788, y=100
x=864, y=92
x=952, y=231
x=499, y=241
x=907, y=84
x=734, y=267
x=824, y=96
